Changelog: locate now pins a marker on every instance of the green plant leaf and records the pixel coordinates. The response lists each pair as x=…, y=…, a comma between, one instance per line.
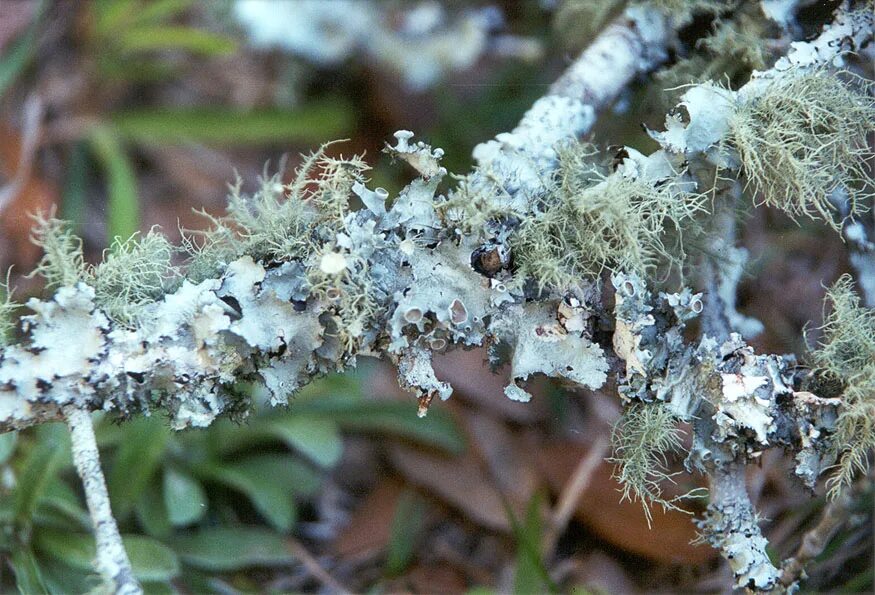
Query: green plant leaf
x=150, y=559
x=316, y=438
x=184, y=497
x=152, y=513
x=61, y=504
x=8, y=441
x=28, y=577
x=292, y=474
x=395, y=418
x=38, y=469
x=531, y=574
x=148, y=38
x=159, y=10
x=123, y=218
x=16, y=59
x=61, y=578
x=407, y=524
x=112, y=15
x=135, y=462
x=309, y=124
x=232, y=548
x=74, y=198
x=156, y=588
x=268, y=494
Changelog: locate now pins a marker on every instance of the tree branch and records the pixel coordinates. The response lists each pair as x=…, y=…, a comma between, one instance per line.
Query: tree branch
x=325, y=285
x=112, y=559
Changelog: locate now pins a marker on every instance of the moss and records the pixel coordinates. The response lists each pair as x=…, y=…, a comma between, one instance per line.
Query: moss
x=643, y=439
x=134, y=272
x=590, y=222
x=802, y=139
x=62, y=263
x=846, y=353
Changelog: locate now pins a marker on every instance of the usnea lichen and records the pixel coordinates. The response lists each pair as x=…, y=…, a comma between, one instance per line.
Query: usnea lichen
x=7, y=311
x=291, y=284
x=591, y=221
x=804, y=137
x=643, y=439
x=846, y=353
x=63, y=263
x=735, y=46
x=133, y=273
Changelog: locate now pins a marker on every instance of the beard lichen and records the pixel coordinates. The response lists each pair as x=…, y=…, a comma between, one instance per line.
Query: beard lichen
x=590, y=221
x=803, y=138
x=63, y=263
x=134, y=273
x=643, y=439
x=7, y=311
x=277, y=222
x=846, y=353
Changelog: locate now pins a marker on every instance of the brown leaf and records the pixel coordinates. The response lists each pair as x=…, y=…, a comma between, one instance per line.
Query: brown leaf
x=35, y=195
x=369, y=528
x=431, y=579
x=473, y=381
x=460, y=481
x=622, y=524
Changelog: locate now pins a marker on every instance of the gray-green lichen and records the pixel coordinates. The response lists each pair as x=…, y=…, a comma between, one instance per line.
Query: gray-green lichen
x=846, y=356
x=292, y=283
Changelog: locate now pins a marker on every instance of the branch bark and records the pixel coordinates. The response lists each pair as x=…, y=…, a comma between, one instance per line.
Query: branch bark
x=112, y=559
x=273, y=319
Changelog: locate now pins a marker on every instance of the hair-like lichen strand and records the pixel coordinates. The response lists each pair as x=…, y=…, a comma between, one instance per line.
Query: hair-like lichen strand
x=846, y=352
x=804, y=137
x=643, y=439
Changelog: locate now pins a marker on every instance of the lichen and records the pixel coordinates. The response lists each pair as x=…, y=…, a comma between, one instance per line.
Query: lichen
x=591, y=221
x=7, y=311
x=62, y=264
x=133, y=273
x=541, y=343
x=803, y=137
x=846, y=353
x=643, y=440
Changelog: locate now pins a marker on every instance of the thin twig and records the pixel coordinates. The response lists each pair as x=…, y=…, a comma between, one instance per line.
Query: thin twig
x=571, y=494
x=314, y=568
x=834, y=515
x=112, y=559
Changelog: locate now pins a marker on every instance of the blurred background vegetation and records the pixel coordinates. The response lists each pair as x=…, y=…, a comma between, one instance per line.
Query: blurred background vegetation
x=126, y=114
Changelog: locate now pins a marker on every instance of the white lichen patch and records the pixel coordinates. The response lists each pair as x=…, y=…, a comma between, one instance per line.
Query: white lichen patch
x=541, y=345
x=446, y=298
x=416, y=374
x=53, y=357
x=169, y=317
x=420, y=156
x=332, y=263
x=267, y=322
